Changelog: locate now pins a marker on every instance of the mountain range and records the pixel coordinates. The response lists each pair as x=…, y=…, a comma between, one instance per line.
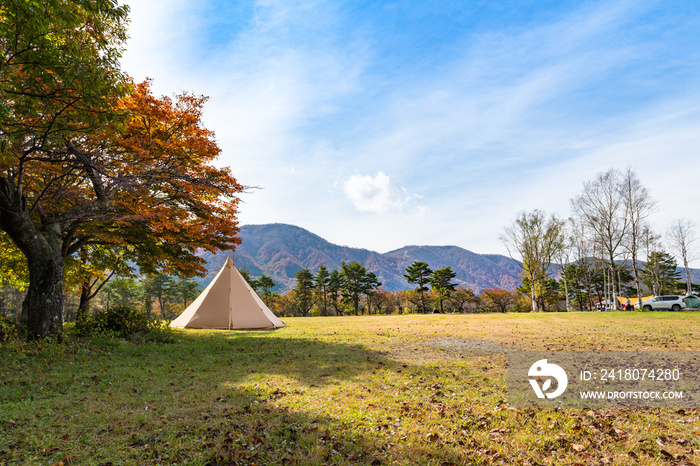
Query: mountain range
x=280, y=250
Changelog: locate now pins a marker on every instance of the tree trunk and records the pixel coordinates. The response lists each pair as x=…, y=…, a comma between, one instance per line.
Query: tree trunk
x=687, y=275
x=84, y=306
x=42, y=309
x=43, y=306
x=636, y=280
x=532, y=292
x=613, y=288
x=566, y=293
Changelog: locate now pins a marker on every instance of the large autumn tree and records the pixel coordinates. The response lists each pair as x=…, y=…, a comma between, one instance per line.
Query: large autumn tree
x=59, y=75
x=87, y=158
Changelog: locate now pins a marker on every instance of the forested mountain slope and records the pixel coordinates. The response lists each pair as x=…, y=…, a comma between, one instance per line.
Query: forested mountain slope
x=280, y=250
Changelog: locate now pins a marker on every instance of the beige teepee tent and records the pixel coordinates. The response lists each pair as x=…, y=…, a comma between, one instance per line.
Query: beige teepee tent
x=227, y=303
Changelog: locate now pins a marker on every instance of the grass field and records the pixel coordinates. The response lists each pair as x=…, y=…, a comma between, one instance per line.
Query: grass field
x=351, y=390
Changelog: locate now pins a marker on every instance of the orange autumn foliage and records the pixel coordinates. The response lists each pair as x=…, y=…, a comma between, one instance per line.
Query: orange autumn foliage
x=145, y=183
x=167, y=198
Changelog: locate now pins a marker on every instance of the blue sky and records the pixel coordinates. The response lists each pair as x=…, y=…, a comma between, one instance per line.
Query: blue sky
x=382, y=124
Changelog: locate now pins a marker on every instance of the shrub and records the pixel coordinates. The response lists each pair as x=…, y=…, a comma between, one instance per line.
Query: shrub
x=120, y=321
x=9, y=330
x=126, y=322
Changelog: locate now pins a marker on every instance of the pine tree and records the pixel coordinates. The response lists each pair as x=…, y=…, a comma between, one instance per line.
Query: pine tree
x=419, y=273
x=660, y=273
x=335, y=284
x=321, y=282
x=304, y=291
x=357, y=281
x=266, y=284
x=441, y=283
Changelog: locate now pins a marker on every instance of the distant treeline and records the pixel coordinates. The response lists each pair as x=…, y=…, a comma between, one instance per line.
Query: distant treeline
x=352, y=290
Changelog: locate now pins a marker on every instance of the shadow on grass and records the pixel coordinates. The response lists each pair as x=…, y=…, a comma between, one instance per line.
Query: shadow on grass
x=213, y=398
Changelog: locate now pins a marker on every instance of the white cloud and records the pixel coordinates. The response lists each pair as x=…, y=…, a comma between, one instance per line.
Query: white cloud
x=513, y=118
x=376, y=194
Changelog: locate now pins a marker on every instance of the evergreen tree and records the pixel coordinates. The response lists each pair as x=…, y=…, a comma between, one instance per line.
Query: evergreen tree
x=266, y=284
x=371, y=285
x=441, y=283
x=253, y=283
x=660, y=273
x=185, y=291
x=419, y=273
x=357, y=281
x=304, y=291
x=158, y=287
x=321, y=282
x=121, y=292
x=580, y=291
x=335, y=284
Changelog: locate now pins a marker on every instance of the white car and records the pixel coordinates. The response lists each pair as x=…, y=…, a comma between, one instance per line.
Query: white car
x=666, y=302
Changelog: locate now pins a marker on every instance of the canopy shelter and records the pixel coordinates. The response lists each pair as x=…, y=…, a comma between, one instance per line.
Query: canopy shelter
x=633, y=299
x=228, y=303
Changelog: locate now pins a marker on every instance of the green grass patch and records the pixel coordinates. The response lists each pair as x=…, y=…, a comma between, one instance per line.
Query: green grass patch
x=352, y=390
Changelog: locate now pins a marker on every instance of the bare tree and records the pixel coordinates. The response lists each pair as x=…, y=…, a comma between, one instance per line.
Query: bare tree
x=585, y=258
x=562, y=258
x=638, y=205
x=535, y=238
x=601, y=207
x=681, y=236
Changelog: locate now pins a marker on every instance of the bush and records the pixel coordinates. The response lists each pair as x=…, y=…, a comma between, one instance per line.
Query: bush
x=120, y=320
x=126, y=322
x=9, y=330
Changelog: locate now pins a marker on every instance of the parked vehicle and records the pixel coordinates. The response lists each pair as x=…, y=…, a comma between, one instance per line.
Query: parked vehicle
x=667, y=303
